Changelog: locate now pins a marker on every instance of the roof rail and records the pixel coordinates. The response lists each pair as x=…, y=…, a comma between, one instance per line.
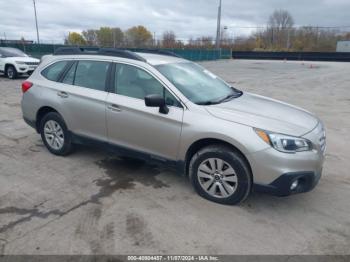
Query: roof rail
x=120, y=53
x=157, y=51
x=98, y=51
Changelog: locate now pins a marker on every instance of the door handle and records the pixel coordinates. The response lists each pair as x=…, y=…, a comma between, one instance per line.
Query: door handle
x=114, y=107
x=62, y=94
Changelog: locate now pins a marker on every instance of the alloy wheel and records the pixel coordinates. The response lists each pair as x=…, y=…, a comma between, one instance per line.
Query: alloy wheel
x=54, y=135
x=217, y=178
x=10, y=73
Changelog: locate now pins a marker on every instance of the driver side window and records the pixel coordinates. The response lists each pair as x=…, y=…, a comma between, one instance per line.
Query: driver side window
x=134, y=82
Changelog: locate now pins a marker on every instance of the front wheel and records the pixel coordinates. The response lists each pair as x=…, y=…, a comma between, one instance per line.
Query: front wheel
x=55, y=134
x=220, y=174
x=11, y=72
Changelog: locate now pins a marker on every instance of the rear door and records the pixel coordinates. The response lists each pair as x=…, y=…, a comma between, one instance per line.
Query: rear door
x=133, y=125
x=82, y=96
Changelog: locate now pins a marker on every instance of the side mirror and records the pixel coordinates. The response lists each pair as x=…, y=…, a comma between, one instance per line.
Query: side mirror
x=157, y=101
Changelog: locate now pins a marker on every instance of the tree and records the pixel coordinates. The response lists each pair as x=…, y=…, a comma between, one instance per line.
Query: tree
x=281, y=19
x=90, y=36
x=138, y=36
x=110, y=37
x=169, y=39
x=75, y=38
x=280, y=24
x=105, y=36
x=207, y=41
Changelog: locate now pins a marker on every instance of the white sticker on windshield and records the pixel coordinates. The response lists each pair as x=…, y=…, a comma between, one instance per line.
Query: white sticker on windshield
x=210, y=74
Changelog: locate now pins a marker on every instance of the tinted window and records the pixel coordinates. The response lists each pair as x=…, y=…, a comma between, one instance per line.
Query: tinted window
x=91, y=74
x=170, y=100
x=53, y=71
x=69, y=77
x=134, y=82
x=12, y=52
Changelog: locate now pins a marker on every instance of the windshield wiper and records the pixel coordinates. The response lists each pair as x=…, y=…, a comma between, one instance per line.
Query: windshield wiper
x=236, y=94
x=207, y=103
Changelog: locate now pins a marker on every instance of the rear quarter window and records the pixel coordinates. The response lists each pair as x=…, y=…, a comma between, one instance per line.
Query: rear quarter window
x=54, y=71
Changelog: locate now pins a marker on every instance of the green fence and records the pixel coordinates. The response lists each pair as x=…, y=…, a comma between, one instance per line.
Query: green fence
x=36, y=50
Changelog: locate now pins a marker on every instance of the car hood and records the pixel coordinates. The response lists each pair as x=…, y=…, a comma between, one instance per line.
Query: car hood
x=265, y=113
x=23, y=59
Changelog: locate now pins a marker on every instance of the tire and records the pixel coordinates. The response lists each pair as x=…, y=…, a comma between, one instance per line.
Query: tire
x=52, y=125
x=11, y=72
x=228, y=182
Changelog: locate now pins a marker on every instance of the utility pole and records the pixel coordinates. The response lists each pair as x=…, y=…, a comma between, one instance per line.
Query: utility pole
x=36, y=23
x=113, y=33
x=288, y=37
x=218, y=30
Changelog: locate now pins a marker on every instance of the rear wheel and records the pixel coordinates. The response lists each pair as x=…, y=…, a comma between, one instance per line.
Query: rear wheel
x=55, y=134
x=11, y=72
x=220, y=174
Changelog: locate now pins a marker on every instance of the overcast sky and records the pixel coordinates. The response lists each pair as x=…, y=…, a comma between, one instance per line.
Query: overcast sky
x=187, y=18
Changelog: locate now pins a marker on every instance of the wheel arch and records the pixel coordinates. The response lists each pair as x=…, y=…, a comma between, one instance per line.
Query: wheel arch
x=44, y=110
x=7, y=65
x=201, y=143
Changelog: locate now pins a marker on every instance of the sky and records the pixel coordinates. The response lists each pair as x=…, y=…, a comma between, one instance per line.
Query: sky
x=187, y=18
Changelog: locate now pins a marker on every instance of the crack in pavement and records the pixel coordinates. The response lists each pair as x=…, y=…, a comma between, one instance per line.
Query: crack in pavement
x=31, y=213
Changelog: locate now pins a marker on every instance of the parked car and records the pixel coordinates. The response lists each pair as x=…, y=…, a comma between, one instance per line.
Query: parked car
x=164, y=108
x=14, y=62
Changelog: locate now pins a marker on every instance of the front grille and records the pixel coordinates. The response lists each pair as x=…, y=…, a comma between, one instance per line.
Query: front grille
x=32, y=63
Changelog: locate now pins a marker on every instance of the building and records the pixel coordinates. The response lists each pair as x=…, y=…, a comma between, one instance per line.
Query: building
x=343, y=46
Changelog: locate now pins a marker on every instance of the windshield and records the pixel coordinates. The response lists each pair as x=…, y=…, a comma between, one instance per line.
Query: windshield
x=198, y=84
x=12, y=52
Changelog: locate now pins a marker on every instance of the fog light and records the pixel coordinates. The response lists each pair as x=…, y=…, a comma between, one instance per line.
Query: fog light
x=294, y=185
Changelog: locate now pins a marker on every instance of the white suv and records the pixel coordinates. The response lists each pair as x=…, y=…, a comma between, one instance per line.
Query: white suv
x=14, y=62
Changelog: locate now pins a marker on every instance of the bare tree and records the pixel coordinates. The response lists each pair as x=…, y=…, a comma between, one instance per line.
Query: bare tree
x=207, y=41
x=169, y=39
x=90, y=36
x=280, y=25
x=281, y=19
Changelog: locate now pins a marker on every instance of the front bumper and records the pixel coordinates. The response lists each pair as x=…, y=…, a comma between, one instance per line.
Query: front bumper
x=24, y=69
x=282, y=185
x=274, y=172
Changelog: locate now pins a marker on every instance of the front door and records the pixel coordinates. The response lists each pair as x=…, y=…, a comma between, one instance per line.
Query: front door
x=132, y=125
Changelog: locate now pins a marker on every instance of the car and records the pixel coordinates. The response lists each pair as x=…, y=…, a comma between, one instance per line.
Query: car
x=162, y=108
x=14, y=62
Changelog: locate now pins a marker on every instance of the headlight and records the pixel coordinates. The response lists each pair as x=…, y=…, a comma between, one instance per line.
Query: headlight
x=20, y=63
x=284, y=143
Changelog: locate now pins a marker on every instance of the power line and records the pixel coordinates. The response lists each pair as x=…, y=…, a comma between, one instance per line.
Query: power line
x=304, y=26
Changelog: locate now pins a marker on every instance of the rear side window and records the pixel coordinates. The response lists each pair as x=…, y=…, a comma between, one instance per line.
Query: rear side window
x=54, y=71
x=91, y=74
x=69, y=76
